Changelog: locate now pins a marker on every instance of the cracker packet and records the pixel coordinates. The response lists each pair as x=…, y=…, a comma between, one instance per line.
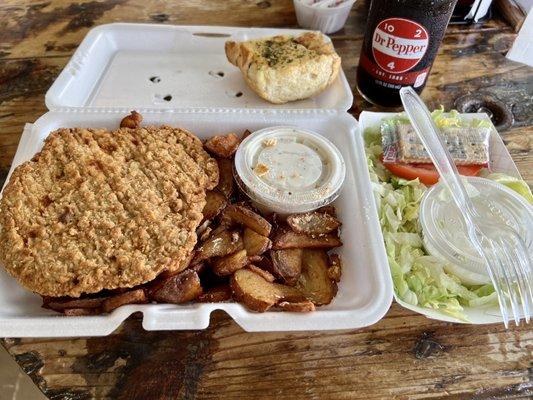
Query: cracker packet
x=467, y=145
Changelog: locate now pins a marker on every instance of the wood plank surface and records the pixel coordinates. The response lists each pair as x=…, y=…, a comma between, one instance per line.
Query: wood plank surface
x=404, y=356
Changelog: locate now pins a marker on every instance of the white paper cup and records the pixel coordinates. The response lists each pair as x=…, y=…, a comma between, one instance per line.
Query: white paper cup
x=328, y=16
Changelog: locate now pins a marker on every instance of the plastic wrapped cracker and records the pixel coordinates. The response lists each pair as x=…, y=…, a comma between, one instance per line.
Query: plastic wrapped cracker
x=467, y=145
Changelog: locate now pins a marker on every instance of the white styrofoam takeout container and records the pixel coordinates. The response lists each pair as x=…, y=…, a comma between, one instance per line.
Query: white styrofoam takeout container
x=500, y=161
x=120, y=67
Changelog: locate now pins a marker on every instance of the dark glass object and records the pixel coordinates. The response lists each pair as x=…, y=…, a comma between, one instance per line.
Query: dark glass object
x=401, y=41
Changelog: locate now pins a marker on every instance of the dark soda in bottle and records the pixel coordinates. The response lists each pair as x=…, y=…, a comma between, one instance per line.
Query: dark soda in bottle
x=401, y=41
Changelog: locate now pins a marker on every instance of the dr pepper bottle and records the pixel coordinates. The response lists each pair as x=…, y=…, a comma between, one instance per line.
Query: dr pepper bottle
x=401, y=41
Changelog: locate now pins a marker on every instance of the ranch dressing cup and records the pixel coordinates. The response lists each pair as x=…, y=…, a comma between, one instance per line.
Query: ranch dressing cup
x=289, y=170
x=444, y=231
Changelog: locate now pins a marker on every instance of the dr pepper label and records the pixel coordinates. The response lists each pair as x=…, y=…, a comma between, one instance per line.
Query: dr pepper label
x=401, y=41
x=398, y=45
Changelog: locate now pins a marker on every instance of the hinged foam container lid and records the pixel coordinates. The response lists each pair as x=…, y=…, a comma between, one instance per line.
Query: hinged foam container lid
x=147, y=66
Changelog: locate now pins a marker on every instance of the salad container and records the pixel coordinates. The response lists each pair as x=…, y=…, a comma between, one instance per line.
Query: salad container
x=179, y=75
x=479, y=310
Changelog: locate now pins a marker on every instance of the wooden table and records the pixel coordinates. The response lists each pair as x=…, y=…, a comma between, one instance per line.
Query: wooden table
x=403, y=356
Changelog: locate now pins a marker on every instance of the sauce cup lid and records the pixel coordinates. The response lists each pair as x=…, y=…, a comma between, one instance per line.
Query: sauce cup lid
x=444, y=229
x=289, y=170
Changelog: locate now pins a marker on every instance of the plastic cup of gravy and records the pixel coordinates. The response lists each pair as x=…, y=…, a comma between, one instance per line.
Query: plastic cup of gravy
x=287, y=170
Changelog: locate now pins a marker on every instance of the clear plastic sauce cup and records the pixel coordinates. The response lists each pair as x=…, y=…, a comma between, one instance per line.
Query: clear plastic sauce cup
x=288, y=170
x=445, y=233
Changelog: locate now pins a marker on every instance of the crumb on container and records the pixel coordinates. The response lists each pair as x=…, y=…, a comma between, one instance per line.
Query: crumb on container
x=270, y=142
x=261, y=169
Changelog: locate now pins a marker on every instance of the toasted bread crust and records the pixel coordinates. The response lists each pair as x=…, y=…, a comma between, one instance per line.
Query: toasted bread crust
x=101, y=210
x=285, y=68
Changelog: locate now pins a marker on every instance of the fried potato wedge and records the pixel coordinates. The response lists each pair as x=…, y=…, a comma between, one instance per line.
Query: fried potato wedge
x=179, y=288
x=198, y=268
x=245, y=134
x=313, y=223
x=255, y=259
x=314, y=281
x=223, y=145
x=267, y=276
x=331, y=210
x=219, y=244
x=277, y=220
x=215, y=203
x=132, y=121
x=300, y=306
x=254, y=243
x=217, y=231
x=241, y=215
x=217, y=294
x=258, y=294
x=63, y=303
x=288, y=239
x=204, y=231
x=225, y=180
x=229, y=264
x=335, y=267
x=136, y=296
x=264, y=263
x=205, y=234
x=287, y=264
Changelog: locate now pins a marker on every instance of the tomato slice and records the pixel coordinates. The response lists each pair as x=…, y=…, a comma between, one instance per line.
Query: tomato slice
x=427, y=173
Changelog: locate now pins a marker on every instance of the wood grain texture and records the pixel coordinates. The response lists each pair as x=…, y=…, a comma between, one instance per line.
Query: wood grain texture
x=404, y=356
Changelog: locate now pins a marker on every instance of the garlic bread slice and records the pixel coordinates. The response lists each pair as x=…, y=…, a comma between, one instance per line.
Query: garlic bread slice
x=286, y=68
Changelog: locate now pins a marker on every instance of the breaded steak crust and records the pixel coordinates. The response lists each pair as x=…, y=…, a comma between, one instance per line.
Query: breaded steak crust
x=101, y=210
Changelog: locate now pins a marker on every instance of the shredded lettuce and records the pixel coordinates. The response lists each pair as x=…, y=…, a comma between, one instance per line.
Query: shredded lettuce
x=442, y=119
x=419, y=278
x=518, y=185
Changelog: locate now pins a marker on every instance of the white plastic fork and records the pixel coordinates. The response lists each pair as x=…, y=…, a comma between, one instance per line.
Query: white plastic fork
x=506, y=256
